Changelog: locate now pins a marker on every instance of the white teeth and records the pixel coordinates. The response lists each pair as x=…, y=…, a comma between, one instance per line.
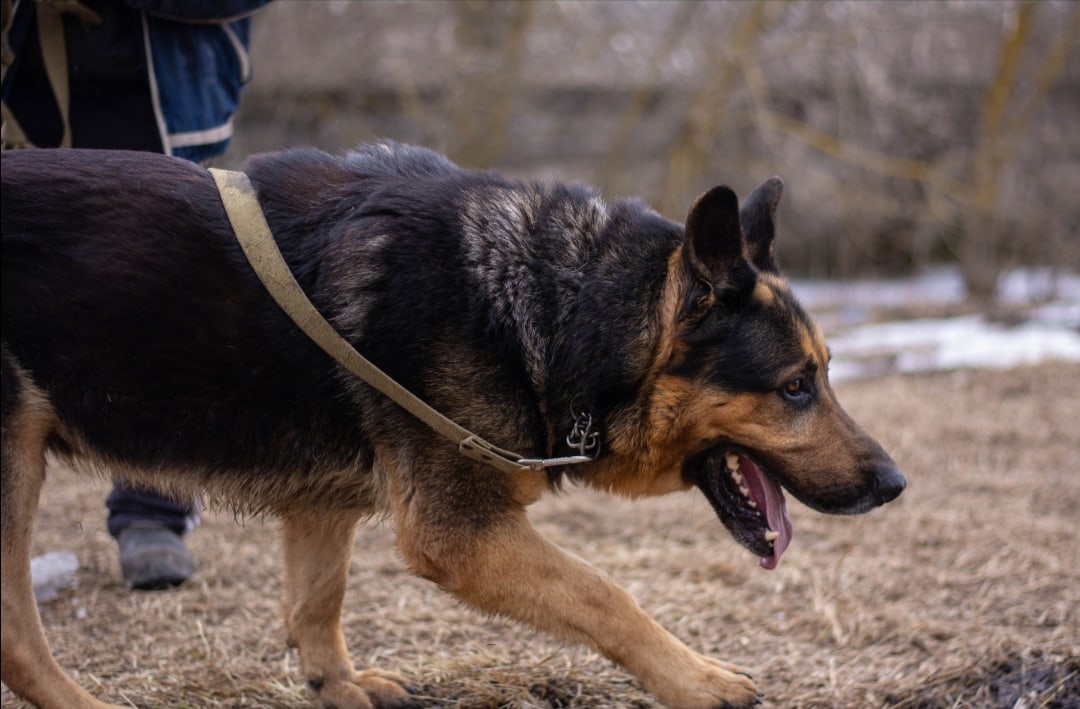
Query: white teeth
x=732, y=460
x=772, y=535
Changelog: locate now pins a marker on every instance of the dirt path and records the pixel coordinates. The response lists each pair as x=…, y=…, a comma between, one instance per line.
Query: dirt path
x=964, y=593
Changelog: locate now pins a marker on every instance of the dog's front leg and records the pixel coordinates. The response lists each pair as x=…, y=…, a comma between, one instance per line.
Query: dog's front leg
x=508, y=568
x=317, y=551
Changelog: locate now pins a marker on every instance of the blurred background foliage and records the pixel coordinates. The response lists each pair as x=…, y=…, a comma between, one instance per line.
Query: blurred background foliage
x=908, y=133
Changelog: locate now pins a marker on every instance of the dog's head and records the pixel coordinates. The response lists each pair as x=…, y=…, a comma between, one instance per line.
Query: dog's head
x=766, y=412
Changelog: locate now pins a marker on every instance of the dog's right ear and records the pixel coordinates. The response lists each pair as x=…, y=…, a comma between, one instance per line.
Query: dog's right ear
x=758, y=216
x=713, y=250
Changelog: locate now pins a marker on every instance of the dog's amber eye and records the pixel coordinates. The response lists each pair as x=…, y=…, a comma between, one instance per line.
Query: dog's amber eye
x=796, y=390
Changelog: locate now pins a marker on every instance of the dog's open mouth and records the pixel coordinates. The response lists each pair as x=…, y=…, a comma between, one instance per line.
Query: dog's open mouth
x=749, y=503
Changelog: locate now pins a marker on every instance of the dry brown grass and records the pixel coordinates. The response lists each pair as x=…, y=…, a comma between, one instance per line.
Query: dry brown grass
x=963, y=593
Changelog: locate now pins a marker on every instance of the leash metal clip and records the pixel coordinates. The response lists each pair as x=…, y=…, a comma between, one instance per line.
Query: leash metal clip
x=581, y=438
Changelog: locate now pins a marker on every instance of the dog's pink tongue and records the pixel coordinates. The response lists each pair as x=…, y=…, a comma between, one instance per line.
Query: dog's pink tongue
x=769, y=495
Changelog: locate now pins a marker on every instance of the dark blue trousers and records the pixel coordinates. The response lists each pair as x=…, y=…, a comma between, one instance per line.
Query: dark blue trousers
x=129, y=506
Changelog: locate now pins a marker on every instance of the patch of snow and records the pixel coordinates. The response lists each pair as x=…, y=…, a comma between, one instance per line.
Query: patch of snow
x=1061, y=314
x=1032, y=285
x=938, y=285
x=53, y=572
x=948, y=343
x=934, y=286
x=1050, y=331
x=1001, y=348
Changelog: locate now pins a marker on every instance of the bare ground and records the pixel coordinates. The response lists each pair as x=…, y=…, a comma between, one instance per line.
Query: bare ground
x=963, y=593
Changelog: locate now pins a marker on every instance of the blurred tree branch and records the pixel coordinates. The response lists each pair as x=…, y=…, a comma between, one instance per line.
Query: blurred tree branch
x=975, y=197
x=687, y=156
x=645, y=91
x=493, y=35
x=985, y=228
x=862, y=157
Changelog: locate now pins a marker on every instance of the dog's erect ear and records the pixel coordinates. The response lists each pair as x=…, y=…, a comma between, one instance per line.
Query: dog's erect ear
x=758, y=216
x=714, y=237
x=712, y=249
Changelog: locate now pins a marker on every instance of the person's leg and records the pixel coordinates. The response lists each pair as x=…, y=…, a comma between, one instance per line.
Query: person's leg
x=149, y=529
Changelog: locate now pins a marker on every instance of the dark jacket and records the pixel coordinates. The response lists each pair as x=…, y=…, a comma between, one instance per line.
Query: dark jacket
x=199, y=53
x=190, y=55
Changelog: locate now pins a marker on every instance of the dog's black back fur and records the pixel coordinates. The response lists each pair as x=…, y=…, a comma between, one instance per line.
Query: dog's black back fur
x=173, y=283
x=410, y=236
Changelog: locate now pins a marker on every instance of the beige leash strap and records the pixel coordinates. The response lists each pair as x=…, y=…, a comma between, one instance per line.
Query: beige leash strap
x=256, y=240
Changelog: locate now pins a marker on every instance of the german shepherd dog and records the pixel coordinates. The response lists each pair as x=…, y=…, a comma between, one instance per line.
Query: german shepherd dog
x=138, y=342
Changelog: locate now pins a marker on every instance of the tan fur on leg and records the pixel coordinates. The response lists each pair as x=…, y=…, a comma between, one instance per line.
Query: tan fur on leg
x=317, y=551
x=512, y=571
x=26, y=665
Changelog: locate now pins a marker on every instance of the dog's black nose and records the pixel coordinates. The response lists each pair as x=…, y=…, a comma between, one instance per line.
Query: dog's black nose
x=888, y=484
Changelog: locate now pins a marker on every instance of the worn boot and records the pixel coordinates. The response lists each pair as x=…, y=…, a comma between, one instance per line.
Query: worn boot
x=153, y=557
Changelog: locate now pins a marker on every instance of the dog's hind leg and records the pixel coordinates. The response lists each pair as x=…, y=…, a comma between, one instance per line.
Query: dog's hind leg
x=509, y=569
x=26, y=665
x=317, y=551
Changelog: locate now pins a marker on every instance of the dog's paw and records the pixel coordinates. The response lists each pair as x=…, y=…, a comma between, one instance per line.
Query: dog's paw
x=710, y=684
x=370, y=689
x=386, y=690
